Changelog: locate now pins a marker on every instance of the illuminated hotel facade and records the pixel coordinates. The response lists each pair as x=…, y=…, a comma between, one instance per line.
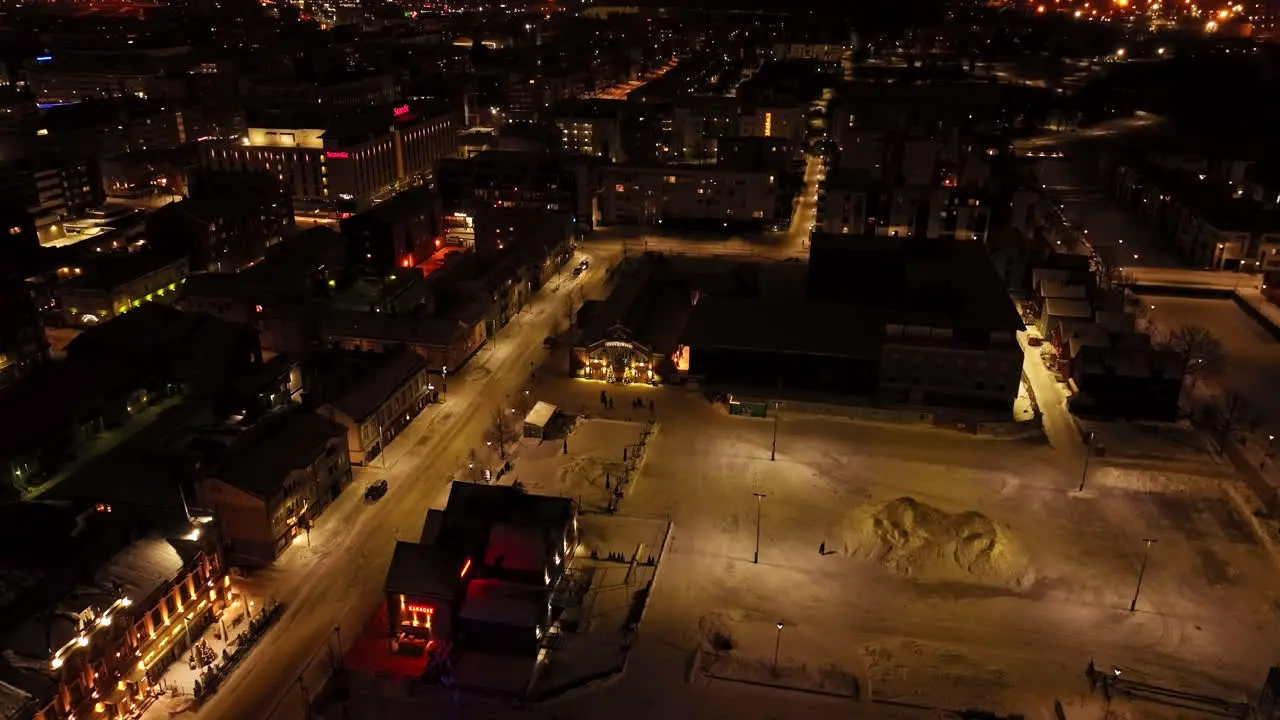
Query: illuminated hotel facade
x=120, y=646
x=347, y=165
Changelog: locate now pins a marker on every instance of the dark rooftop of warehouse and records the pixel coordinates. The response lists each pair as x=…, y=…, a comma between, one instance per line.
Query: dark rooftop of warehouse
x=946, y=284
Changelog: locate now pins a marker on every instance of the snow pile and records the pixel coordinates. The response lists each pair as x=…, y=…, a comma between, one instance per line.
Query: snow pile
x=912, y=538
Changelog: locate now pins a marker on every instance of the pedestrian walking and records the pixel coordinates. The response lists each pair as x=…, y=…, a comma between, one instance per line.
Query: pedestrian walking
x=651, y=407
x=822, y=548
x=610, y=403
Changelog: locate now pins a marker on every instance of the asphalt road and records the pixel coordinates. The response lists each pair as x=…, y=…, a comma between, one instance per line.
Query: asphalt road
x=336, y=581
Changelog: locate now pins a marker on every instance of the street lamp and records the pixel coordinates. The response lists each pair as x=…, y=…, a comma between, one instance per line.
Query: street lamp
x=1146, y=554
x=777, y=645
x=1088, y=453
x=773, y=450
x=756, y=557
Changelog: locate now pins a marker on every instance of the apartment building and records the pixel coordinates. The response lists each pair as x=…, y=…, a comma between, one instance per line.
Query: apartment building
x=374, y=395
x=650, y=195
x=851, y=204
x=591, y=127
x=273, y=482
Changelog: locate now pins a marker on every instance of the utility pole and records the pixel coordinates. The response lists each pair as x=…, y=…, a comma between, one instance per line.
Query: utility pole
x=759, y=496
x=1146, y=553
x=773, y=451
x=1088, y=453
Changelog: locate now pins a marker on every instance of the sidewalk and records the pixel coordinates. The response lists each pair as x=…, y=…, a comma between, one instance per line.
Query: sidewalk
x=180, y=677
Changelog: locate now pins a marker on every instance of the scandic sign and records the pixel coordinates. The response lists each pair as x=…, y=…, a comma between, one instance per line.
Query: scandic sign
x=400, y=110
x=332, y=155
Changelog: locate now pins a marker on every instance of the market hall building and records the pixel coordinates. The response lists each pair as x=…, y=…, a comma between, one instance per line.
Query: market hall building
x=887, y=322
x=632, y=336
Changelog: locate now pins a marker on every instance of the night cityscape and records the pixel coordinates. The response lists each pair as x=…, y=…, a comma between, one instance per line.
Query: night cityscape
x=559, y=360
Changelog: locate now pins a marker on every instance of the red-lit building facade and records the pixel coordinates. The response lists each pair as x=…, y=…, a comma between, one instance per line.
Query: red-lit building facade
x=345, y=163
x=481, y=580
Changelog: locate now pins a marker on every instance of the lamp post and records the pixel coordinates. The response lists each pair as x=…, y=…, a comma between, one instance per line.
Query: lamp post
x=777, y=645
x=773, y=450
x=756, y=557
x=1088, y=453
x=1146, y=553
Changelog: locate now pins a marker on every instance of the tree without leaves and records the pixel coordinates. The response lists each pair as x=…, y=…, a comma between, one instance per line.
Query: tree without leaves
x=1199, y=348
x=1228, y=413
x=502, y=431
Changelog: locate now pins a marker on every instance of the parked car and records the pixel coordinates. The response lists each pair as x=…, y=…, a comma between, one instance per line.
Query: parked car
x=578, y=271
x=375, y=491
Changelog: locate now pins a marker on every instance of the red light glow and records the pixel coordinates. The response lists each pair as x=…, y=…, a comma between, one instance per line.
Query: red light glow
x=407, y=261
x=400, y=110
x=333, y=155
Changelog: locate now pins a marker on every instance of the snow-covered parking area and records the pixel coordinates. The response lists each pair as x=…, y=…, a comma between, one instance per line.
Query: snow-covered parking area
x=959, y=571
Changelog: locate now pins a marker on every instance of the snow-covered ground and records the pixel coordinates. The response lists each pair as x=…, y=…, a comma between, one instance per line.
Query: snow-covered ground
x=966, y=572
x=595, y=457
x=1252, y=355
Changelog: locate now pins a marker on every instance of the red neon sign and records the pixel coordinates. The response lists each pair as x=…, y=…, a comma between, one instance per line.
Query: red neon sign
x=424, y=609
x=465, y=567
x=400, y=110
x=332, y=155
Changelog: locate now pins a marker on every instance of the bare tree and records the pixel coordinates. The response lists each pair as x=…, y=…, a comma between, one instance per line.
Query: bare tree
x=1199, y=348
x=1226, y=414
x=502, y=430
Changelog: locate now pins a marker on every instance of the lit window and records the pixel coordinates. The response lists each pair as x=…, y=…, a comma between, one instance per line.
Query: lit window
x=619, y=188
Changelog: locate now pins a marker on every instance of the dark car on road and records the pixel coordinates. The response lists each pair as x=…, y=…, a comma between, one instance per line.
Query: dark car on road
x=375, y=491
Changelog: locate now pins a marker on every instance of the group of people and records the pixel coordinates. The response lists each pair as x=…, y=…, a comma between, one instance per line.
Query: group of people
x=636, y=403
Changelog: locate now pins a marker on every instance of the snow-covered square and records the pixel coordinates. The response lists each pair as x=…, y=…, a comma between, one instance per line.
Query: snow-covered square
x=956, y=571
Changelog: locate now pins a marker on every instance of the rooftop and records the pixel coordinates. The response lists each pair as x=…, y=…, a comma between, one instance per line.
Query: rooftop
x=106, y=273
x=358, y=383
x=261, y=460
x=505, y=603
x=593, y=108
x=424, y=570
x=410, y=329
x=762, y=324
x=950, y=284
x=473, y=510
